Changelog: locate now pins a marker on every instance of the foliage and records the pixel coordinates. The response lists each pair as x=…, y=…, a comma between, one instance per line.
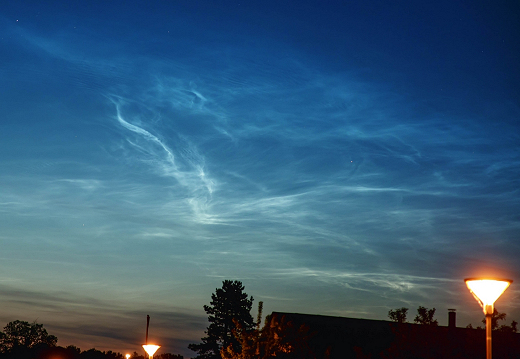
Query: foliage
x=425, y=316
x=495, y=318
x=168, y=356
x=513, y=328
x=97, y=354
x=470, y=326
x=228, y=304
x=278, y=338
x=74, y=350
x=23, y=340
x=136, y=355
x=428, y=340
x=398, y=315
x=24, y=334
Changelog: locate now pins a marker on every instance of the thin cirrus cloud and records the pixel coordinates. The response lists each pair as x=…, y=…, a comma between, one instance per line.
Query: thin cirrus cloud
x=160, y=173
x=191, y=176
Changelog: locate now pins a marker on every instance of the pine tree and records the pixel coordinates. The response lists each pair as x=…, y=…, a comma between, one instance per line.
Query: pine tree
x=228, y=304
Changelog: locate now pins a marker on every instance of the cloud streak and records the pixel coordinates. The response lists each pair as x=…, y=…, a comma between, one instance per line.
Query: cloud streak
x=154, y=161
x=192, y=176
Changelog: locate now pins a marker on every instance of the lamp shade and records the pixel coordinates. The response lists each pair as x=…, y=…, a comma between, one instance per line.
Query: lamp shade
x=487, y=291
x=151, y=348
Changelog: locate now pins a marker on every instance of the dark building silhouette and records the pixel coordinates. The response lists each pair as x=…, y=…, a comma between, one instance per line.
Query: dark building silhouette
x=351, y=338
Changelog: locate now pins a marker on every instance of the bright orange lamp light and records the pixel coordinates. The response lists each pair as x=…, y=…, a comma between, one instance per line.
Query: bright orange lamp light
x=486, y=291
x=151, y=349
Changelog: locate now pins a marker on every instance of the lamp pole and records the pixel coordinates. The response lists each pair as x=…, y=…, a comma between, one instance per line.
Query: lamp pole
x=486, y=291
x=150, y=349
x=489, y=352
x=147, y=325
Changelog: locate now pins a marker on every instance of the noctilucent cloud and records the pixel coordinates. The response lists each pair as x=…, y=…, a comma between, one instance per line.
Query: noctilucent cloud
x=339, y=158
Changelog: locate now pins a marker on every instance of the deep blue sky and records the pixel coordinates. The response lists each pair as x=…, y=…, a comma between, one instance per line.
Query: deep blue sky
x=339, y=158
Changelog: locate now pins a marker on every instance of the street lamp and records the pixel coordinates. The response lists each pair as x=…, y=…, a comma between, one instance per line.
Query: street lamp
x=486, y=291
x=150, y=349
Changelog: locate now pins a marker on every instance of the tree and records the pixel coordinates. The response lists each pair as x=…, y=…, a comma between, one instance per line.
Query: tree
x=227, y=304
x=495, y=318
x=398, y=315
x=513, y=328
x=74, y=350
x=503, y=328
x=278, y=338
x=18, y=334
x=136, y=355
x=169, y=356
x=425, y=316
x=93, y=353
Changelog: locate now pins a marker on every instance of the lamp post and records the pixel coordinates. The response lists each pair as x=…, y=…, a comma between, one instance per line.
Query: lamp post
x=486, y=291
x=150, y=349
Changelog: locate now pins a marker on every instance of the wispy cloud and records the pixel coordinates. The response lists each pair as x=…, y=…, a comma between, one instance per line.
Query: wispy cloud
x=167, y=165
x=191, y=174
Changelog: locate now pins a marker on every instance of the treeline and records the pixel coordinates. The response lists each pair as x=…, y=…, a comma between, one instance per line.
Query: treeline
x=232, y=333
x=425, y=316
x=424, y=339
x=24, y=340
x=158, y=356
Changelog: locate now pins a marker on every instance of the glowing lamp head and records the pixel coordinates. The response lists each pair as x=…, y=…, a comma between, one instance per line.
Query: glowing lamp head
x=487, y=291
x=151, y=348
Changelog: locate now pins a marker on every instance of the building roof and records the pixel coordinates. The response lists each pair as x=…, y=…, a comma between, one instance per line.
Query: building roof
x=355, y=338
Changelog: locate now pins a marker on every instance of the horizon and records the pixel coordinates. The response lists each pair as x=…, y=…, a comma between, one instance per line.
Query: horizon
x=408, y=320
x=338, y=159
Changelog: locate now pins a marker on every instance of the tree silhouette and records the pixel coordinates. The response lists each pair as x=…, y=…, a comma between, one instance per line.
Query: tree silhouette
x=169, y=356
x=513, y=328
x=398, y=315
x=227, y=304
x=278, y=338
x=136, y=355
x=425, y=316
x=20, y=334
x=73, y=350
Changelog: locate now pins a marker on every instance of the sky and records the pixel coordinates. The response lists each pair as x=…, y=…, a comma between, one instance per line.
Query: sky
x=340, y=158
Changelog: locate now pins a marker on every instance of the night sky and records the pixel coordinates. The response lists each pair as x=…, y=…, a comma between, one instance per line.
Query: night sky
x=339, y=158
